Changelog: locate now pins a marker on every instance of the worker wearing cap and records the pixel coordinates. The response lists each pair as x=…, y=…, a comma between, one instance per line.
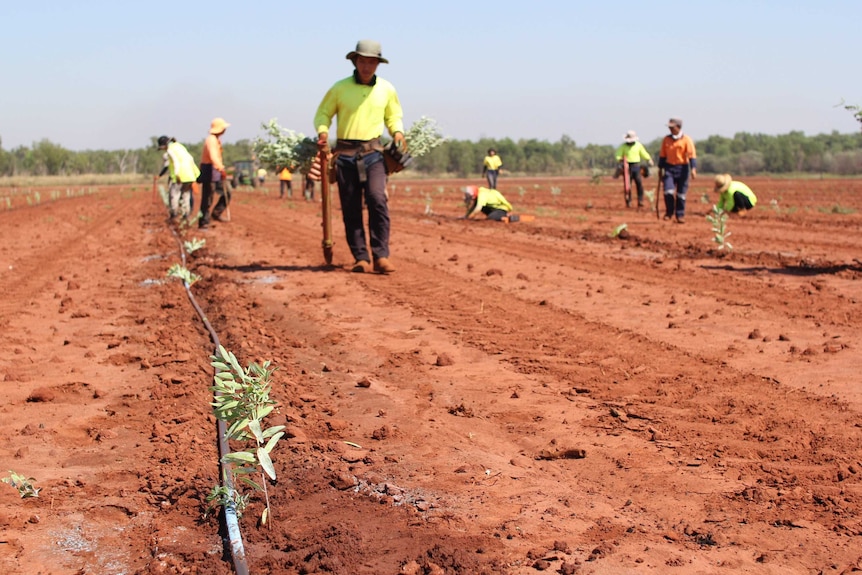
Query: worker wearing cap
x=364, y=103
x=634, y=152
x=486, y=201
x=678, y=159
x=213, y=174
x=734, y=196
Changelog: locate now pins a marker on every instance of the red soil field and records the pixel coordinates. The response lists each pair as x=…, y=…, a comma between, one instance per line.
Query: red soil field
x=534, y=396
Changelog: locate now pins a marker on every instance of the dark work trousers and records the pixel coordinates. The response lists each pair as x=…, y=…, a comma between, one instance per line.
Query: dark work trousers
x=286, y=185
x=676, y=178
x=491, y=175
x=352, y=192
x=223, y=191
x=741, y=202
x=636, y=178
x=494, y=213
x=208, y=190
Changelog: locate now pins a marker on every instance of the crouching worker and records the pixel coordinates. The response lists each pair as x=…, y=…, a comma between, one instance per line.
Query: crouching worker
x=733, y=196
x=489, y=202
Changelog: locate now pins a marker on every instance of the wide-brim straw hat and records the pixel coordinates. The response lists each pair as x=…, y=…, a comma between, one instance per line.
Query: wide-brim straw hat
x=722, y=182
x=368, y=48
x=631, y=137
x=218, y=126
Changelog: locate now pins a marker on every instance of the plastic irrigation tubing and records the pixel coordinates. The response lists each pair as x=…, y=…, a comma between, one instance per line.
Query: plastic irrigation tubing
x=231, y=519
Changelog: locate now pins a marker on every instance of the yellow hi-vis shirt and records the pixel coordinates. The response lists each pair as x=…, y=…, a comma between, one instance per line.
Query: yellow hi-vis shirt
x=490, y=198
x=633, y=153
x=362, y=110
x=725, y=200
x=493, y=162
x=181, y=164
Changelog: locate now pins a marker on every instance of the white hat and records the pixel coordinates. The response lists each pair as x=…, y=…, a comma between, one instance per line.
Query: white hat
x=631, y=137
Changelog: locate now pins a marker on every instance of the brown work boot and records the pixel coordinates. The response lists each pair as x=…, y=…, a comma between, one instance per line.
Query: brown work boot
x=383, y=266
x=361, y=266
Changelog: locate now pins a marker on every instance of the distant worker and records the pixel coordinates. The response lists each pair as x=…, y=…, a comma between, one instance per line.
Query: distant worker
x=309, y=189
x=634, y=152
x=183, y=171
x=491, y=203
x=261, y=175
x=364, y=103
x=285, y=179
x=491, y=168
x=213, y=175
x=166, y=163
x=678, y=159
x=735, y=197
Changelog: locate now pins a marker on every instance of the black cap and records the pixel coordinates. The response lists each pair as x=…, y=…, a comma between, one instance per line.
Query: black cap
x=163, y=141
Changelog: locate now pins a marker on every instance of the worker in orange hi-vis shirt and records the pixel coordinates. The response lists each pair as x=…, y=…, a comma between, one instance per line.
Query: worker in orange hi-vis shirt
x=285, y=179
x=678, y=160
x=213, y=174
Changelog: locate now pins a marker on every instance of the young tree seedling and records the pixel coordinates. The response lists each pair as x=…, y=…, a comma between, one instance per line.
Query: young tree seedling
x=23, y=484
x=178, y=271
x=718, y=219
x=242, y=401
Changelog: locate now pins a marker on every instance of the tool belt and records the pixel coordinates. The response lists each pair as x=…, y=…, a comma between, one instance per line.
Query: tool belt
x=357, y=149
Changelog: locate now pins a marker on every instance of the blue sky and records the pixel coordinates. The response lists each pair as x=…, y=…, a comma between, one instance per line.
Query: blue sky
x=98, y=74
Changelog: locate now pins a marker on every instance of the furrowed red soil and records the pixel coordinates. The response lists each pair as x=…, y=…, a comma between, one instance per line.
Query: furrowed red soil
x=535, y=396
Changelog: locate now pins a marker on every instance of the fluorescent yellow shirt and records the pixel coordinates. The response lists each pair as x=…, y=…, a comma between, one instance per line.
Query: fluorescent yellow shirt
x=493, y=162
x=633, y=153
x=490, y=198
x=183, y=168
x=725, y=200
x=362, y=110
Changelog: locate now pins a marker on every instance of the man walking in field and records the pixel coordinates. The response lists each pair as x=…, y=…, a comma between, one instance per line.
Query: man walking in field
x=491, y=168
x=634, y=153
x=285, y=179
x=364, y=103
x=678, y=159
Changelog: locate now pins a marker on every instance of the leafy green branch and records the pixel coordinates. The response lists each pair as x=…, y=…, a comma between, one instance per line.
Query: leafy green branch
x=423, y=136
x=283, y=148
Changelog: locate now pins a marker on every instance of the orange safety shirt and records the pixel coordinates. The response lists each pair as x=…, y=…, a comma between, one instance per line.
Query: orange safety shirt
x=678, y=152
x=212, y=153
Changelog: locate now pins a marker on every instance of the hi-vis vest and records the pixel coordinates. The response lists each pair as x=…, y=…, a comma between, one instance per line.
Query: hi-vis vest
x=181, y=163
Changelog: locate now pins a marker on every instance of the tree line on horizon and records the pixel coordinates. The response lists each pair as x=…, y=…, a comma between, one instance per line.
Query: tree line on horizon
x=744, y=154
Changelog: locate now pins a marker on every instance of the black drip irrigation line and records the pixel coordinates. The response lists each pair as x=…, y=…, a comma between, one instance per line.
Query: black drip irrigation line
x=233, y=537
